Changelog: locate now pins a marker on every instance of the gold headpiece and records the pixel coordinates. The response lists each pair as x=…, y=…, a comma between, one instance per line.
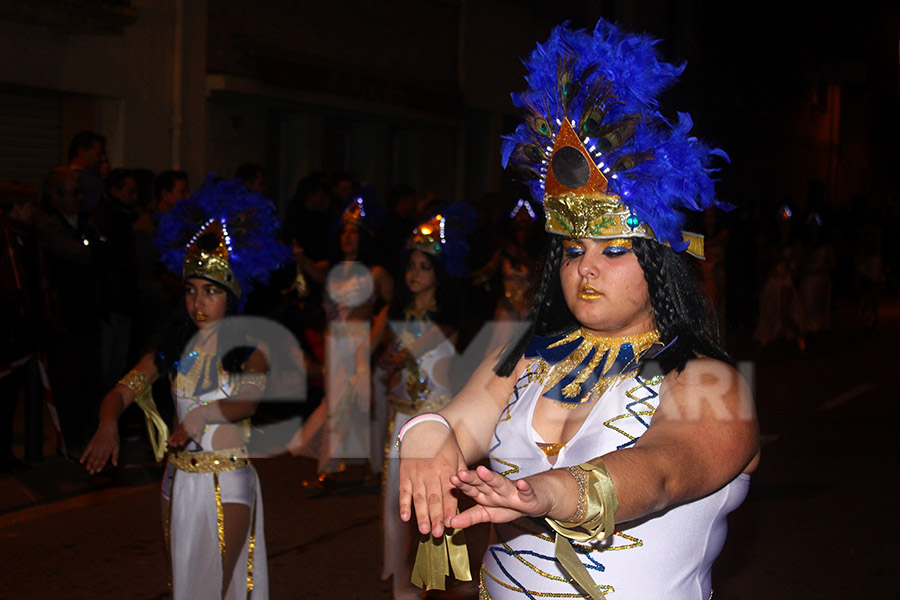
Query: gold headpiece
x=355, y=213
x=208, y=256
x=430, y=236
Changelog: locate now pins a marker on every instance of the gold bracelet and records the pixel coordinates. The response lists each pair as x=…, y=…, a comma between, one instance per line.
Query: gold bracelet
x=136, y=381
x=581, y=511
x=601, y=503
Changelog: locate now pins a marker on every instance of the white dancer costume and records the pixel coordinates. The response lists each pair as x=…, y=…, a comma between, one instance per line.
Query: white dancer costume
x=339, y=427
x=416, y=392
x=664, y=555
x=196, y=483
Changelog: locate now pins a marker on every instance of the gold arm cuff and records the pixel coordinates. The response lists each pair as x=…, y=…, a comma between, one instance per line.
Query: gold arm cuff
x=599, y=518
x=157, y=430
x=594, y=518
x=215, y=461
x=258, y=379
x=136, y=381
x=436, y=556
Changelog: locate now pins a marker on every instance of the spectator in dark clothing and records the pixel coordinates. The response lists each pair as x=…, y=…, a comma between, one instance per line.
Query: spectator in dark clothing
x=253, y=176
x=399, y=224
x=87, y=156
x=23, y=304
x=73, y=360
x=113, y=218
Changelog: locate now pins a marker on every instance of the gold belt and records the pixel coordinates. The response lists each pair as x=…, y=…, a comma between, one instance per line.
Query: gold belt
x=414, y=407
x=214, y=461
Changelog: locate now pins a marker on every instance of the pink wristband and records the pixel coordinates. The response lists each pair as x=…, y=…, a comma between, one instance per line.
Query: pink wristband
x=420, y=419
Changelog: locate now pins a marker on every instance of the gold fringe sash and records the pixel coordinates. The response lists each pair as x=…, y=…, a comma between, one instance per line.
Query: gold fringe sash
x=436, y=556
x=157, y=429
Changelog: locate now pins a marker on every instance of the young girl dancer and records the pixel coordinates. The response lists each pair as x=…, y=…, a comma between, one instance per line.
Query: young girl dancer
x=425, y=317
x=220, y=240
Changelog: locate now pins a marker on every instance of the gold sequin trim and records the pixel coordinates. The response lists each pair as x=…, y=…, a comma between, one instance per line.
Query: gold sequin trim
x=215, y=461
x=199, y=376
x=414, y=407
x=520, y=590
x=482, y=591
x=604, y=347
x=550, y=450
x=136, y=381
x=220, y=518
x=581, y=479
x=257, y=379
x=251, y=545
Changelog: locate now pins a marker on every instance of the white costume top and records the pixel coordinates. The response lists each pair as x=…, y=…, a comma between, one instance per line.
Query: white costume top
x=194, y=525
x=665, y=555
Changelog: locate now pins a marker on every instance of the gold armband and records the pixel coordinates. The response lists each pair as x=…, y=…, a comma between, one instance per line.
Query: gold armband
x=597, y=504
x=257, y=379
x=594, y=519
x=136, y=381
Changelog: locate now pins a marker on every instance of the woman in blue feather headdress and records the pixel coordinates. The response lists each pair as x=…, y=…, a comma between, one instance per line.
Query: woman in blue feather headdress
x=221, y=241
x=618, y=432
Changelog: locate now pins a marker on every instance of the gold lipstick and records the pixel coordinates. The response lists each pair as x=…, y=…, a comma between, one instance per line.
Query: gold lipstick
x=587, y=292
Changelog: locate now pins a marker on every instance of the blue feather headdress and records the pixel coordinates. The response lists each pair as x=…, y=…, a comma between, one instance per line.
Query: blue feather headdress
x=594, y=147
x=224, y=233
x=444, y=236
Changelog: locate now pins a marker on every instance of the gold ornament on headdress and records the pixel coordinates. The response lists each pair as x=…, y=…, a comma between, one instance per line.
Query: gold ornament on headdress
x=355, y=214
x=208, y=256
x=576, y=201
x=430, y=236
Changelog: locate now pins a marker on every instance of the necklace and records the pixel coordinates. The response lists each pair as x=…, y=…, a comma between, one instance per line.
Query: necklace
x=574, y=368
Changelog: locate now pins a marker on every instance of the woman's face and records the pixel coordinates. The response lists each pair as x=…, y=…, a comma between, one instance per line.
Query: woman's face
x=604, y=287
x=350, y=240
x=420, y=275
x=206, y=302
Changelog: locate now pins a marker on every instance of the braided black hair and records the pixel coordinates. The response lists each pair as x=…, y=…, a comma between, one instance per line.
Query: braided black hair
x=679, y=308
x=549, y=315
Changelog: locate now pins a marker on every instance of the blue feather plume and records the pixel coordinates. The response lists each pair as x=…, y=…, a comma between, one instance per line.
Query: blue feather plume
x=252, y=223
x=607, y=83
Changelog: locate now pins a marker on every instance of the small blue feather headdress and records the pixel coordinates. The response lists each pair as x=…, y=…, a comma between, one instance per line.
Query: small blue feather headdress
x=224, y=233
x=444, y=236
x=594, y=147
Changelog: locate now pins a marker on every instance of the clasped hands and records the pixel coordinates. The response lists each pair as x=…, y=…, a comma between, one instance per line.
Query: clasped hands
x=430, y=486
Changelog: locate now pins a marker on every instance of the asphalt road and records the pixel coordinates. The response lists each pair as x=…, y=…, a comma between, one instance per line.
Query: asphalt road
x=820, y=521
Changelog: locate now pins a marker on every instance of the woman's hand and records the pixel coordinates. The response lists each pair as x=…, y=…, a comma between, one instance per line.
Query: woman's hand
x=361, y=387
x=430, y=456
x=499, y=499
x=102, y=447
x=191, y=428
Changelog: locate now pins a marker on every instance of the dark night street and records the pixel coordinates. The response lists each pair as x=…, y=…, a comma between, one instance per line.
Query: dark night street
x=818, y=522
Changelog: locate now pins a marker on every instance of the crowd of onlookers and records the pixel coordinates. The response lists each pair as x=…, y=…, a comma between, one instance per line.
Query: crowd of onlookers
x=81, y=286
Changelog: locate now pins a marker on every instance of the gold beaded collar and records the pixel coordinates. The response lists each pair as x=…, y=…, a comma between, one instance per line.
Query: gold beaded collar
x=575, y=367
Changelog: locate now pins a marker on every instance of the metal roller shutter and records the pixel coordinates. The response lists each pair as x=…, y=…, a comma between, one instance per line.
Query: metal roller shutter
x=30, y=133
